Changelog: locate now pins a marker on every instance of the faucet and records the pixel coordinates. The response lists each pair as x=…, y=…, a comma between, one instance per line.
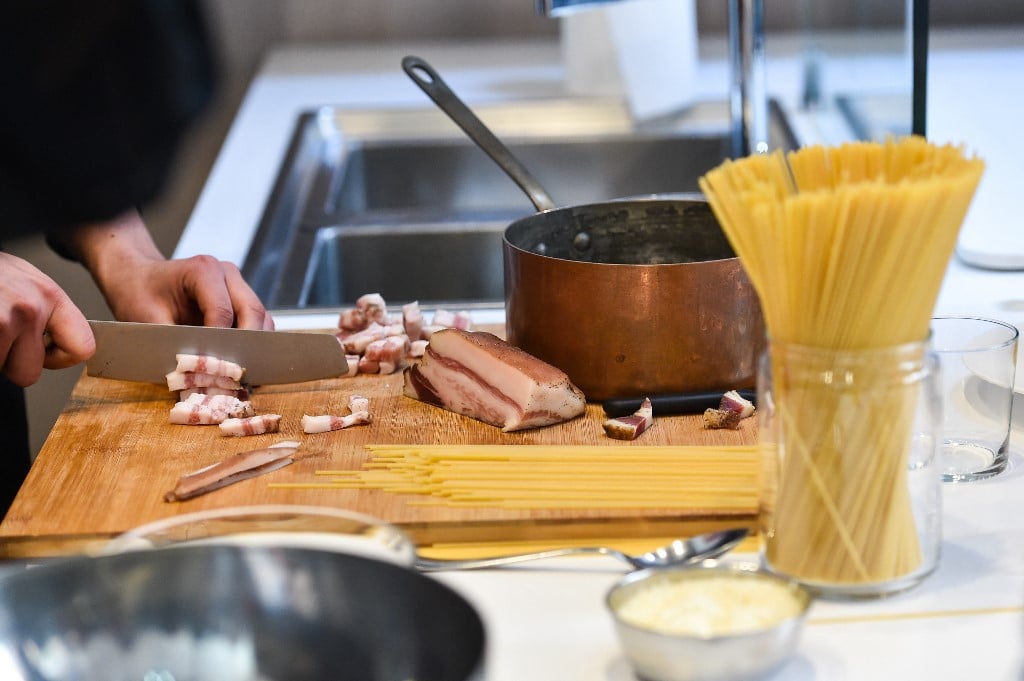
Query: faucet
x=748, y=102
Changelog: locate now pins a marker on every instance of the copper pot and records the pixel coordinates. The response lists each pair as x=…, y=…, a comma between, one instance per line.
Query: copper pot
x=629, y=298
x=632, y=298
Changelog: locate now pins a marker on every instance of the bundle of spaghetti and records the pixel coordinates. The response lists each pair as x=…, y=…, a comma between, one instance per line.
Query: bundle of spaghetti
x=847, y=248
x=559, y=477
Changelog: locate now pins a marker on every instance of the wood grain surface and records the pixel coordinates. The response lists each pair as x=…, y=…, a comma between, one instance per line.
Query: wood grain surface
x=113, y=454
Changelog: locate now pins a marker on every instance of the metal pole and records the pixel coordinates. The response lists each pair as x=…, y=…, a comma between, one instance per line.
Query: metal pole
x=748, y=103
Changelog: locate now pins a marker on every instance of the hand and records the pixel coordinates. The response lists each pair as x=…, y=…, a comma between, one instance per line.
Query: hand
x=141, y=285
x=33, y=307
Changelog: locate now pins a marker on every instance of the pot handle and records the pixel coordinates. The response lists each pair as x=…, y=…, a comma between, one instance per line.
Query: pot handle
x=431, y=83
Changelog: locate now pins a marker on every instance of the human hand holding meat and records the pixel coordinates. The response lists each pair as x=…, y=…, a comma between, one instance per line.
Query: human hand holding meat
x=39, y=324
x=141, y=285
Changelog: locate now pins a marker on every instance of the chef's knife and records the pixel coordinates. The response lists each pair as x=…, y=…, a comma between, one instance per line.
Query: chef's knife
x=133, y=351
x=671, y=403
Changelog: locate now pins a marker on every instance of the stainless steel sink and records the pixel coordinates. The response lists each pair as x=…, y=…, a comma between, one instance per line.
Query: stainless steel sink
x=398, y=201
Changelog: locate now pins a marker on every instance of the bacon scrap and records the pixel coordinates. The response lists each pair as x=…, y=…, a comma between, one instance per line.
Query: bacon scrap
x=199, y=409
x=356, y=343
x=234, y=469
x=388, y=353
x=359, y=407
x=373, y=305
x=324, y=423
x=412, y=320
x=206, y=364
x=632, y=426
x=352, y=320
x=358, y=403
x=182, y=380
x=731, y=410
x=455, y=320
x=241, y=393
x=252, y=425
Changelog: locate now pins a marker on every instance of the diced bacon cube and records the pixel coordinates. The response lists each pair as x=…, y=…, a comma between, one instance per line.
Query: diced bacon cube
x=352, y=319
x=417, y=348
x=374, y=306
x=412, y=320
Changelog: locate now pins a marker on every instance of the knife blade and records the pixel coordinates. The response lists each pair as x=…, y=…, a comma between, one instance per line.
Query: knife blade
x=671, y=403
x=135, y=351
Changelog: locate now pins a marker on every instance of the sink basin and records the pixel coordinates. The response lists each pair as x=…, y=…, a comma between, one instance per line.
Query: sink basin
x=400, y=202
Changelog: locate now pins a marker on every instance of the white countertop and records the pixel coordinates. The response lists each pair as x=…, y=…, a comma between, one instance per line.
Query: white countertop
x=965, y=621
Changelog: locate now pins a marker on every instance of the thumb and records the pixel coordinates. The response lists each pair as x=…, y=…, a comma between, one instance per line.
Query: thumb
x=70, y=337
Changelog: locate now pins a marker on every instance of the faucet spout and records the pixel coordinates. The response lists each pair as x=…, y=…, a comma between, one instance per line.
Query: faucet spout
x=748, y=102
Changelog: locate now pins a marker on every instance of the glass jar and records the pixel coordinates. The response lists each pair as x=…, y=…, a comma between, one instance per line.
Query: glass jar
x=851, y=500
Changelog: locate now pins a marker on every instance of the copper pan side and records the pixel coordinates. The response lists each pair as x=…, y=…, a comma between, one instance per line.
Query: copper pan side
x=650, y=299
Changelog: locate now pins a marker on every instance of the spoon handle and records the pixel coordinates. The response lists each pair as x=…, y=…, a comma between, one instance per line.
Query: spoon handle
x=431, y=565
x=424, y=75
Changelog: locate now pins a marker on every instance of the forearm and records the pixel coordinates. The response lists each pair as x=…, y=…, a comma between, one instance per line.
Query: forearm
x=107, y=248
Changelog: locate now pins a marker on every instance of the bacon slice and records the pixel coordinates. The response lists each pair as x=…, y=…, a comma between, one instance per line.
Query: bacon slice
x=241, y=393
x=632, y=426
x=199, y=409
x=233, y=469
x=477, y=374
x=252, y=425
x=327, y=422
x=205, y=364
x=182, y=380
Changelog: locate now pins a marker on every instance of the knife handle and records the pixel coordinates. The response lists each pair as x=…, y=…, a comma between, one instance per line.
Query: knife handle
x=671, y=403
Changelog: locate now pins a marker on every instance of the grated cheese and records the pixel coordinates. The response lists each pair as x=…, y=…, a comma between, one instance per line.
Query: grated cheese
x=709, y=607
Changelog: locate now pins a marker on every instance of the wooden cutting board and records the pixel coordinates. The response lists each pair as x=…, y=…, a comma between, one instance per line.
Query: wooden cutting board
x=113, y=454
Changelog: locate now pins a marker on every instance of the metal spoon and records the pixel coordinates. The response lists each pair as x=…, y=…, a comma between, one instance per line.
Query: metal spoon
x=679, y=552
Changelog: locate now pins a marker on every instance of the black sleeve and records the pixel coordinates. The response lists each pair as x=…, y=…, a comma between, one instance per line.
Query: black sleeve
x=97, y=96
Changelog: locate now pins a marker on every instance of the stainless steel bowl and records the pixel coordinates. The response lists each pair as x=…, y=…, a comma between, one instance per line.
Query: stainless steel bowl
x=234, y=613
x=660, y=656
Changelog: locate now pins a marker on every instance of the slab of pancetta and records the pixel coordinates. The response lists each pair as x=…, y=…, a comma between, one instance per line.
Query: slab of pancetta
x=477, y=374
x=252, y=425
x=233, y=469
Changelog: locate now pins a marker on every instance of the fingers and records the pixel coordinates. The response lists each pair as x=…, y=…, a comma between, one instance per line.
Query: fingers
x=31, y=305
x=249, y=310
x=196, y=290
x=224, y=298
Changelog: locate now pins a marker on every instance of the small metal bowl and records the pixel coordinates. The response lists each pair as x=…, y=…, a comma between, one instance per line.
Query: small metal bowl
x=660, y=653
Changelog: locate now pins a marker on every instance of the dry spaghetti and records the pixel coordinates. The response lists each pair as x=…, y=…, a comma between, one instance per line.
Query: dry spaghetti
x=558, y=477
x=847, y=248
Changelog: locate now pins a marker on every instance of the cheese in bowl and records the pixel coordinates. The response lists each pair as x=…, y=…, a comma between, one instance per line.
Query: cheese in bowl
x=711, y=622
